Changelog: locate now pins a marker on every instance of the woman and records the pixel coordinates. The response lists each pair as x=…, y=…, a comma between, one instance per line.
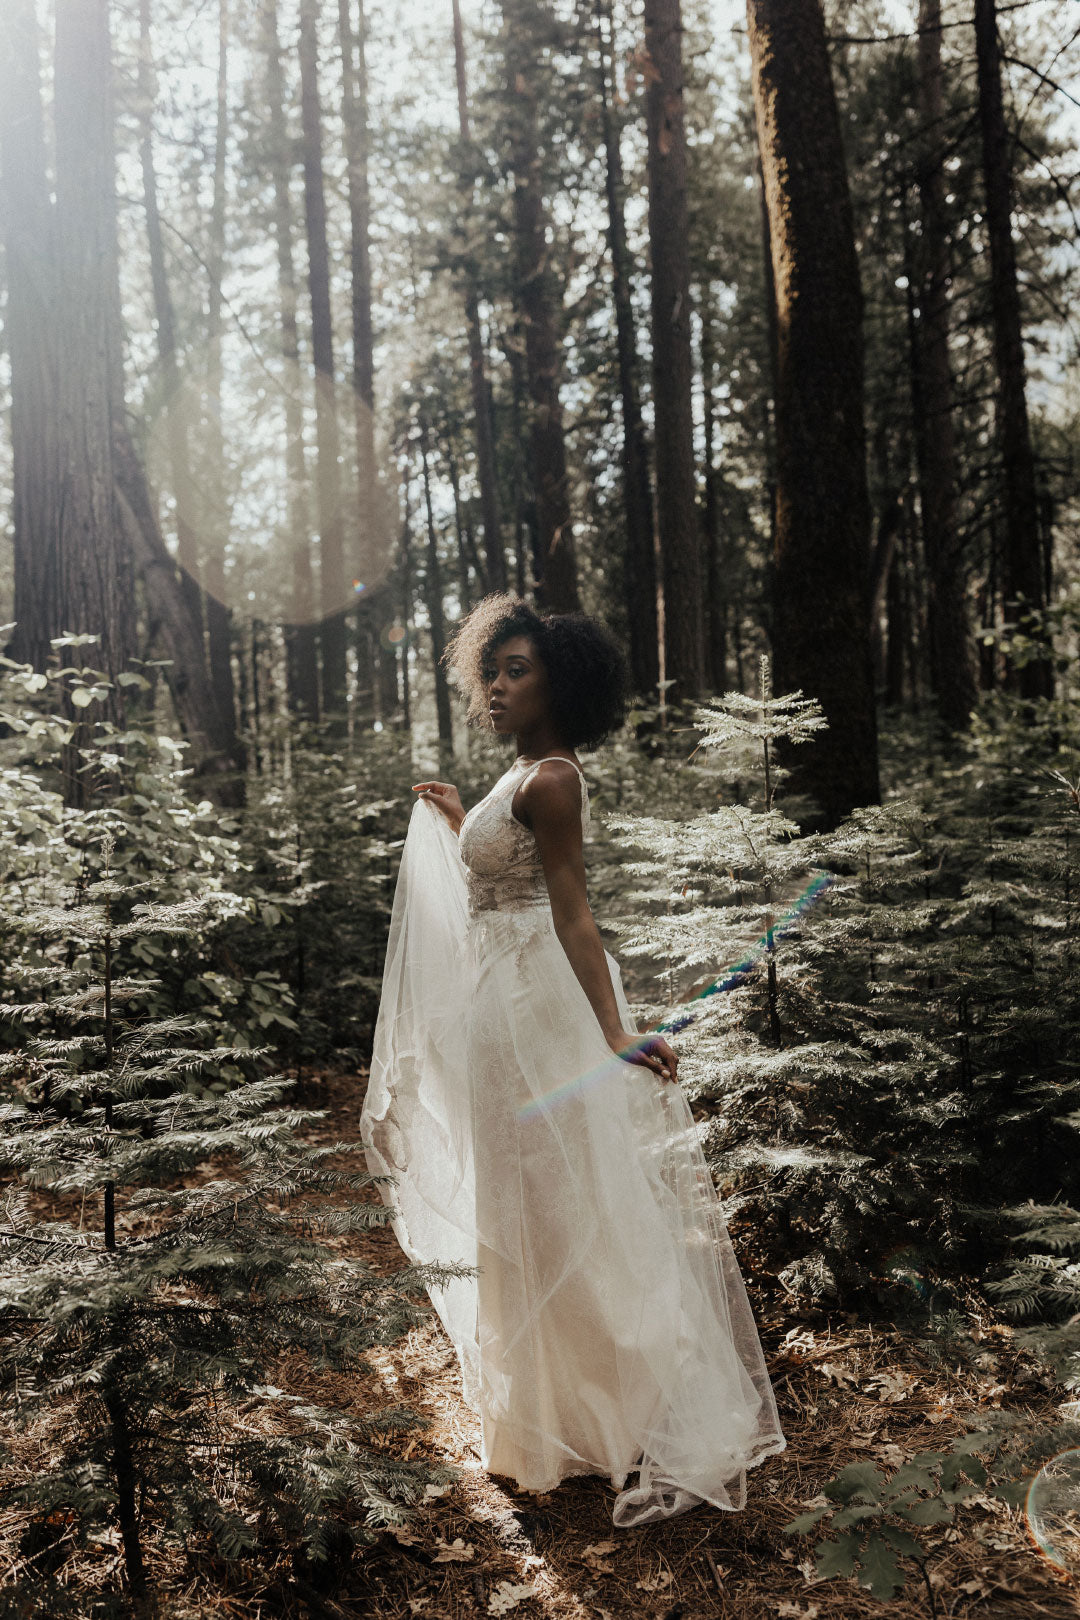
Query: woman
x=534, y=1135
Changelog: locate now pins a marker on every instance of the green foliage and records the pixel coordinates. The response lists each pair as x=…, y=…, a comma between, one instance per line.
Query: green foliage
x=321, y=835
x=901, y=1058
x=874, y=1518
x=168, y=1245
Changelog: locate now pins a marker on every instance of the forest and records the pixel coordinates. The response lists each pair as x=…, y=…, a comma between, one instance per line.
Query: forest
x=748, y=329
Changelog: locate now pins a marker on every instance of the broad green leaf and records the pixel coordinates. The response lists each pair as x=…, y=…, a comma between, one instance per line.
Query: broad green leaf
x=836, y=1557
x=930, y=1510
x=879, y=1571
x=862, y=1479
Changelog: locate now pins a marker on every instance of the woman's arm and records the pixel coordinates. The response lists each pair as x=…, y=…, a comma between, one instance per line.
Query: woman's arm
x=552, y=802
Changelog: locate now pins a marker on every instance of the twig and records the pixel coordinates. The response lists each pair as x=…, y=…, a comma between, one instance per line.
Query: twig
x=711, y=1561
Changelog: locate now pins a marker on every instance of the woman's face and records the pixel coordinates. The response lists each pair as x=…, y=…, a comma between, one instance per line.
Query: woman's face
x=516, y=684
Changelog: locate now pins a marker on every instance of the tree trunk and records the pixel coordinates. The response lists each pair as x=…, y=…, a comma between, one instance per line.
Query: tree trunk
x=821, y=625
x=716, y=605
x=218, y=617
x=369, y=567
x=302, y=668
x=460, y=528
x=483, y=428
x=328, y=478
x=952, y=678
x=1024, y=580
x=406, y=600
x=639, y=571
x=433, y=596
x=355, y=120
x=95, y=574
x=555, y=565
x=126, y=1478
x=175, y=404
x=33, y=296
x=171, y=626
x=676, y=494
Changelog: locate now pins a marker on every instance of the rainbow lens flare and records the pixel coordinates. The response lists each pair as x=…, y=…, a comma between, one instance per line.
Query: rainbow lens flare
x=1053, y=1510
x=671, y=1025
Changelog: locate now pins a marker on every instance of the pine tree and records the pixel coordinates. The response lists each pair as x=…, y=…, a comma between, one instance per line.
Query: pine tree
x=167, y=1235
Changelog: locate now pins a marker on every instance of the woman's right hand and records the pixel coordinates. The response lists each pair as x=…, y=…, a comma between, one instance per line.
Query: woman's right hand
x=446, y=799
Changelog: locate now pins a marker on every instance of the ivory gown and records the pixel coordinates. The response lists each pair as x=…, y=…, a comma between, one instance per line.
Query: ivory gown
x=608, y=1330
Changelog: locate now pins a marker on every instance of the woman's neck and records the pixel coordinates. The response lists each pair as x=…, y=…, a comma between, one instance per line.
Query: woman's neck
x=538, y=743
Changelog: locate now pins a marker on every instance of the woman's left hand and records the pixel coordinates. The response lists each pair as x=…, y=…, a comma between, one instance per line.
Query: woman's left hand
x=651, y=1051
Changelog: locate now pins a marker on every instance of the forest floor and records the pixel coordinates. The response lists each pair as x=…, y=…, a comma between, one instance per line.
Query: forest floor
x=847, y=1390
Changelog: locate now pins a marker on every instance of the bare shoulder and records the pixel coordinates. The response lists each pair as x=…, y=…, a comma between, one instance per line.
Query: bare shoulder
x=551, y=796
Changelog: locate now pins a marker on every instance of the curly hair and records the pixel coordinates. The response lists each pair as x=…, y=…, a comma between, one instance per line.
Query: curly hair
x=586, y=668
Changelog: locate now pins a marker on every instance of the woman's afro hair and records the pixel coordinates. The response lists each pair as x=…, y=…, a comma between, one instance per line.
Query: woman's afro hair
x=586, y=668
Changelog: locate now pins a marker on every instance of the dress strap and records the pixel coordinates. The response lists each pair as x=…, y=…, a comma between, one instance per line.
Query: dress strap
x=564, y=759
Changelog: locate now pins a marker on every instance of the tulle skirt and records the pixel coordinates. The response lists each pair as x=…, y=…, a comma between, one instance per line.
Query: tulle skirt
x=607, y=1329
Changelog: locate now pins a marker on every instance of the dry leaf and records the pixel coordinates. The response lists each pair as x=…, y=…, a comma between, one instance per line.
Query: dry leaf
x=454, y=1552
x=431, y=1491
x=836, y=1374
x=595, y=1555
x=795, y=1611
x=507, y=1596
x=655, y=1583
x=892, y=1386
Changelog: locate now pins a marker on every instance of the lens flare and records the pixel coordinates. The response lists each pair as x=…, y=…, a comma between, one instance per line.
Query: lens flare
x=394, y=635
x=358, y=587
x=1053, y=1510
x=730, y=980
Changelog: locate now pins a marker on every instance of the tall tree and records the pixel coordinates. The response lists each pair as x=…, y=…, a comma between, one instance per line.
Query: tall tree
x=302, y=668
x=368, y=566
x=676, y=495
x=483, y=426
x=640, y=556
x=216, y=529
x=1025, y=592
x=952, y=678
x=715, y=582
x=433, y=598
x=27, y=223
x=821, y=630
x=174, y=402
x=327, y=437
x=95, y=570
x=554, y=560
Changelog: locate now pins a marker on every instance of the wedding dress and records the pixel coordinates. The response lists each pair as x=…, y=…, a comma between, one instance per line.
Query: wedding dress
x=607, y=1329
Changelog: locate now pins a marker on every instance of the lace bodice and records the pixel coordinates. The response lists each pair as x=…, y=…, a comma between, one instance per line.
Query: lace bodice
x=503, y=866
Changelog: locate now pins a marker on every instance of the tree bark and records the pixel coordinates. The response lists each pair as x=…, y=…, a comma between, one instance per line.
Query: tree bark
x=94, y=575
x=433, y=595
x=821, y=631
x=483, y=428
x=27, y=222
x=640, y=558
x=952, y=678
x=554, y=561
x=369, y=567
x=676, y=493
x=1024, y=579
x=716, y=605
x=328, y=478
x=218, y=616
x=210, y=736
x=301, y=654
x=174, y=404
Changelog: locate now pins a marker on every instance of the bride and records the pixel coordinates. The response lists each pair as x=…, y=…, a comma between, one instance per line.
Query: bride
x=532, y=1133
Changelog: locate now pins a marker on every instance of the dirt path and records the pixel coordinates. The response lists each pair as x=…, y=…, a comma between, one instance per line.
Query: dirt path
x=846, y=1391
